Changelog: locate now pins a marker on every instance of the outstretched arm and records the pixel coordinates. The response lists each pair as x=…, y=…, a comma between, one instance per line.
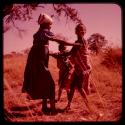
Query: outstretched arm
x=61, y=41
x=58, y=40
x=54, y=54
x=50, y=36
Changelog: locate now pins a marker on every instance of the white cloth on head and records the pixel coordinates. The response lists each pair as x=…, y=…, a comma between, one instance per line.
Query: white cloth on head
x=44, y=18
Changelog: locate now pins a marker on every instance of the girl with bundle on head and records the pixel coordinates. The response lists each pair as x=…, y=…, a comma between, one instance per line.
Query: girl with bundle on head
x=38, y=82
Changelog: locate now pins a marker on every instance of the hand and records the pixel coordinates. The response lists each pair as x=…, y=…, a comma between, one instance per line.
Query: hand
x=51, y=53
x=77, y=44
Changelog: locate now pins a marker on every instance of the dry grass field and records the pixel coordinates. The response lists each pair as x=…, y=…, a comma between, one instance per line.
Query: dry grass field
x=107, y=78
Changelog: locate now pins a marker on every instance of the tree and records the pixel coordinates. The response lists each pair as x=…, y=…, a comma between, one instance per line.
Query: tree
x=96, y=42
x=14, y=12
x=23, y=12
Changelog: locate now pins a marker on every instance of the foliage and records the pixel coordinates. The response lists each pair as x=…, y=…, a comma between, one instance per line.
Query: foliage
x=69, y=12
x=96, y=42
x=18, y=108
x=23, y=12
x=19, y=11
x=112, y=57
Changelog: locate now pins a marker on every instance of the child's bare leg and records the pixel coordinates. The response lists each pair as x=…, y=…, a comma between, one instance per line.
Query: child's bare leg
x=86, y=83
x=52, y=106
x=44, y=104
x=70, y=96
x=59, y=94
x=68, y=91
x=45, y=109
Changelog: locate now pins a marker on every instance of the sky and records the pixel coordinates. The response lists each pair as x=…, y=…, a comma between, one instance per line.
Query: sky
x=105, y=19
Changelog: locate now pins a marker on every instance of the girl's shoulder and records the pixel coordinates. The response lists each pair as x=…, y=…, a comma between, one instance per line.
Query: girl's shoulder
x=47, y=32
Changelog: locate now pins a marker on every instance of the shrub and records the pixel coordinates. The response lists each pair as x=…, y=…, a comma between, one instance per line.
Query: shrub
x=112, y=57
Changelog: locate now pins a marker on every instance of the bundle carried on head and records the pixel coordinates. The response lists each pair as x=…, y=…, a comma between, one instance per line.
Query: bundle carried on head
x=44, y=18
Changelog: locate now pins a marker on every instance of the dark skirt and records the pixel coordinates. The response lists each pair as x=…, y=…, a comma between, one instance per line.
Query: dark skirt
x=38, y=82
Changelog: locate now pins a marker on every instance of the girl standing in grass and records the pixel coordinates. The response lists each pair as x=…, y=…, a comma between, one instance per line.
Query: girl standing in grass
x=38, y=82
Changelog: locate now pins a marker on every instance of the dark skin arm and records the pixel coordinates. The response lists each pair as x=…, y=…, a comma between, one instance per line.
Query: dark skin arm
x=58, y=54
x=66, y=53
x=63, y=42
x=55, y=55
x=73, y=50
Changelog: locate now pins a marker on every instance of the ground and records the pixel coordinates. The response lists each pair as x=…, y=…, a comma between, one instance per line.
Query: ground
x=108, y=84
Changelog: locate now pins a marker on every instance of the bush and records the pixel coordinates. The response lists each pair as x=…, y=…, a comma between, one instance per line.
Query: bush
x=112, y=57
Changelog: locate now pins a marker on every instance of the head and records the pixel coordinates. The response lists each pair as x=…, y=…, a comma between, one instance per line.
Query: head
x=62, y=47
x=80, y=30
x=45, y=21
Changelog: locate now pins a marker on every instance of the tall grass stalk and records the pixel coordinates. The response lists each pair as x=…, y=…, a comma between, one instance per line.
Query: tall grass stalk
x=15, y=98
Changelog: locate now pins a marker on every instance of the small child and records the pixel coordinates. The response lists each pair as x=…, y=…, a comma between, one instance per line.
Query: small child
x=66, y=69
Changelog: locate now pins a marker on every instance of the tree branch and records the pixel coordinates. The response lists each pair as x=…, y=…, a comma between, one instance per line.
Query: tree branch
x=7, y=10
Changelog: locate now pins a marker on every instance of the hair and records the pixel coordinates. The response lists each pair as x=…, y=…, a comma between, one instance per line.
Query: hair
x=80, y=26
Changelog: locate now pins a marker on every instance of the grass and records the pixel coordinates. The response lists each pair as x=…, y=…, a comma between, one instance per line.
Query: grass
x=112, y=58
x=107, y=80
